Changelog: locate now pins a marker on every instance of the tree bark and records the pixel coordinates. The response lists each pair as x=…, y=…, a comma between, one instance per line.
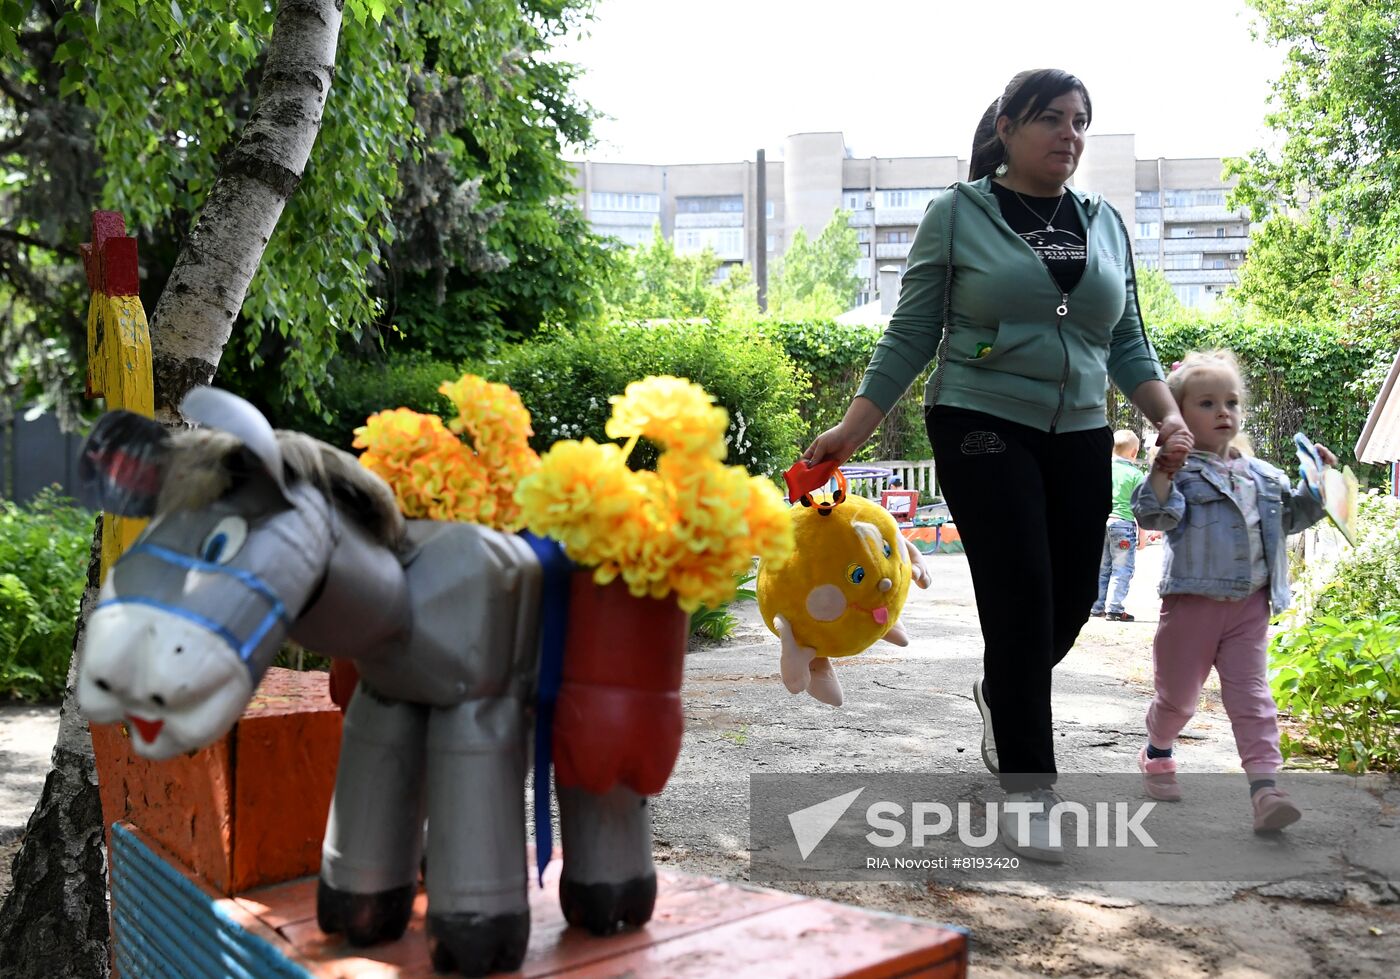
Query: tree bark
x=54, y=921
x=194, y=316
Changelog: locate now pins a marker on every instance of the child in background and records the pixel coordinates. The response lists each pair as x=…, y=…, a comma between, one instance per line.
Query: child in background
x=1226, y=516
x=1120, y=536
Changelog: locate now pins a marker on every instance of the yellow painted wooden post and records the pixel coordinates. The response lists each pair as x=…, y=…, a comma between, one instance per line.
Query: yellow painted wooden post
x=119, y=347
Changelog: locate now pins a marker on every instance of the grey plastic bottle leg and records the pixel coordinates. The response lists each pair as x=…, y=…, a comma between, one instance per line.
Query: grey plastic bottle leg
x=608, y=881
x=478, y=913
x=374, y=835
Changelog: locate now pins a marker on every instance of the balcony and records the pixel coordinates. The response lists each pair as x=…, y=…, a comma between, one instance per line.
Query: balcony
x=862, y=218
x=624, y=219
x=1189, y=277
x=1192, y=215
x=892, y=249
x=909, y=216
x=1206, y=244
x=711, y=219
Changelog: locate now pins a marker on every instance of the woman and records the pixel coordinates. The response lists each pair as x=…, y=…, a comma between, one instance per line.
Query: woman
x=1024, y=291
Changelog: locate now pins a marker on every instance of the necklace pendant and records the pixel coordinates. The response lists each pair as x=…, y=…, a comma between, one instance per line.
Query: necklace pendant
x=1049, y=227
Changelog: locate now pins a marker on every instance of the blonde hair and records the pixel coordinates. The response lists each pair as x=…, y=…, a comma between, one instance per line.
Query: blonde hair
x=1212, y=361
x=1125, y=437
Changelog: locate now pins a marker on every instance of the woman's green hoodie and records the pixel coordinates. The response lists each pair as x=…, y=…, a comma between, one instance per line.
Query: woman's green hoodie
x=1017, y=347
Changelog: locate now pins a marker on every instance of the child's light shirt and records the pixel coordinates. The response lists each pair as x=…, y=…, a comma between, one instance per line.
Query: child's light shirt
x=1246, y=496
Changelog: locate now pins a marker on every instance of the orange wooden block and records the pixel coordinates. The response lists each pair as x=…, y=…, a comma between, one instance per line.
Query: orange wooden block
x=247, y=811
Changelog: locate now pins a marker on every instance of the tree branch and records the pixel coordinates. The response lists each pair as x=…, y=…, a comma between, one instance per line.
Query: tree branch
x=8, y=234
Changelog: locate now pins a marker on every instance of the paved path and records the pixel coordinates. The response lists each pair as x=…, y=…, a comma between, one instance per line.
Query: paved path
x=27, y=736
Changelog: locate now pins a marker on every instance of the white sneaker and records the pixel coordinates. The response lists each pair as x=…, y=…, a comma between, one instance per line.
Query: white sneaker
x=1029, y=834
x=989, y=743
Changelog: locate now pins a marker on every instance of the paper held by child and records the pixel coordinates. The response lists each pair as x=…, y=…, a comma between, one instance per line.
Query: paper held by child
x=1337, y=491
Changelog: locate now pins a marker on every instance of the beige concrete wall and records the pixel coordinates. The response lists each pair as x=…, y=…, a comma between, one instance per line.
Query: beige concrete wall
x=812, y=171
x=1108, y=167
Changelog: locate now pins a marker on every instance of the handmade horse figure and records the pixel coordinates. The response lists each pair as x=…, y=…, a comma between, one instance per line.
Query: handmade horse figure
x=258, y=536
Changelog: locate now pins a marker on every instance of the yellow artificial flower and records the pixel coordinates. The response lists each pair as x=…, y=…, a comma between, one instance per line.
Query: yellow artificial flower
x=673, y=412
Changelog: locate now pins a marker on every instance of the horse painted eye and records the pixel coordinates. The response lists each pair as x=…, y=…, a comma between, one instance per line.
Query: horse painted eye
x=887, y=548
x=855, y=573
x=224, y=541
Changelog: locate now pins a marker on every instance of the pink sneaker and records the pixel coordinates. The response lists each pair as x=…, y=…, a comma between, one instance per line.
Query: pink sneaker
x=1273, y=810
x=1159, y=777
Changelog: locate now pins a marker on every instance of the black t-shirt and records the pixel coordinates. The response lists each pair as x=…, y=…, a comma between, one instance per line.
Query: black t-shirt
x=1056, y=235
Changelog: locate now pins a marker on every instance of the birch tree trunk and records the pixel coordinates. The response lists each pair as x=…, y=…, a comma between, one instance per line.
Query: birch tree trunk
x=53, y=923
x=196, y=311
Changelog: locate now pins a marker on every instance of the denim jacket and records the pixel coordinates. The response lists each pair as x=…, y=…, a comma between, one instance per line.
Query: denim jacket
x=1206, y=547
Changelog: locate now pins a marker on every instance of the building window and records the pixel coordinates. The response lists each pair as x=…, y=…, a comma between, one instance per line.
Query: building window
x=1217, y=263
x=611, y=201
x=772, y=243
x=1188, y=261
x=1149, y=229
x=852, y=200
x=709, y=205
x=896, y=237
x=863, y=235
x=1147, y=198
x=769, y=209
x=730, y=241
x=1195, y=198
x=913, y=197
x=1220, y=232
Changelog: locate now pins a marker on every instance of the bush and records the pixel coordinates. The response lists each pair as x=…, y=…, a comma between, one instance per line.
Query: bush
x=1342, y=679
x=1336, y=664
x=1365, y=579
x=834, y=357
x=1307, y=376
x=363, y=387
x=565, y=378
x=44, y=549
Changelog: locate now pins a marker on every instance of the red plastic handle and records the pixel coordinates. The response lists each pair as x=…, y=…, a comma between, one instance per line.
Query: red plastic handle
x=802, y=478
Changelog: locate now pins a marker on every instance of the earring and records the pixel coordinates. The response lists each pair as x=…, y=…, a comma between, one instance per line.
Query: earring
x=1001, y=169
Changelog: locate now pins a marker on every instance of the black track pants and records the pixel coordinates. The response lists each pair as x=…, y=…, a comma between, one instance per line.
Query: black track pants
x=1030, y=508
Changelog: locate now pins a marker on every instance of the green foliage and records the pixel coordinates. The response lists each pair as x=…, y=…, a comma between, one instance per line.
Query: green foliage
x=834, y=357
x=1156, y=297
x=1301, y=375
x=718, y=624
x=1339, y=157
x=1342, y=678
x=565, y=378
x=655, y=282
x=442, y=137
x=365, y=387
x=816, y=278
x=44, y=548
x=1364, y=580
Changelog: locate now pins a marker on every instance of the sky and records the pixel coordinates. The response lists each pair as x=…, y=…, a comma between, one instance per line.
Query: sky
x=699, y=82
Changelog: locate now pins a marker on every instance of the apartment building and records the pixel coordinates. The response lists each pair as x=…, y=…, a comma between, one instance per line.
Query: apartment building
x=1174, y=208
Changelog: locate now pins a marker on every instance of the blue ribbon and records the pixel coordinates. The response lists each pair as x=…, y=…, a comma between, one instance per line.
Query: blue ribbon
x=554, y=620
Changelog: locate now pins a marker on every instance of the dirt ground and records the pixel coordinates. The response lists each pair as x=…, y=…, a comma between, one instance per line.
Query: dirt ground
x=912, y=707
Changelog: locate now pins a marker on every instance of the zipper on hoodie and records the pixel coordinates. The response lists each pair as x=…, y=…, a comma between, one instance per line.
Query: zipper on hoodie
x=1061, y=311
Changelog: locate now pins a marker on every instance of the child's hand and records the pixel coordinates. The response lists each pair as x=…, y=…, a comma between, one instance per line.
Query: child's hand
x=1325, y=454
x=1172, y=454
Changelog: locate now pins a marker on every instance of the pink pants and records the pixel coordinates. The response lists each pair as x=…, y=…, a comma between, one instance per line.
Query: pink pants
x=1196, y=633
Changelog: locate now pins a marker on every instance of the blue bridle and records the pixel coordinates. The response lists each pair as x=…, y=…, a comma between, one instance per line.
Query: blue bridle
x=244, y=649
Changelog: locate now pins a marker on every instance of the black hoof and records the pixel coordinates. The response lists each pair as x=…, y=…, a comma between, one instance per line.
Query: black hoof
x=478, y=944
x=365, y=919
x=604, y=908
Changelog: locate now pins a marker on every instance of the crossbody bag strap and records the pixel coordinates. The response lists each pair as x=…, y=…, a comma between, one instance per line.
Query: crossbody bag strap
x=940, y=355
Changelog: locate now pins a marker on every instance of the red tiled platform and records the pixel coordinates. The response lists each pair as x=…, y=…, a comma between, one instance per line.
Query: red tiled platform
x=702, y=927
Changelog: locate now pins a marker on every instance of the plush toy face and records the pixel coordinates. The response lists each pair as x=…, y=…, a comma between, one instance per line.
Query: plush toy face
x=845, y=583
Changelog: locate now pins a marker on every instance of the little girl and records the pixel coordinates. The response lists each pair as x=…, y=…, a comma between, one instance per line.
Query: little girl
x=1226, y=516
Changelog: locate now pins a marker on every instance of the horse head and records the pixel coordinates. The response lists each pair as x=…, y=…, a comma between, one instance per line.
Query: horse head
x=246, y=528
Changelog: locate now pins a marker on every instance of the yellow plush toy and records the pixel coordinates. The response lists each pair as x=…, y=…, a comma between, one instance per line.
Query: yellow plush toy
x=840, y=590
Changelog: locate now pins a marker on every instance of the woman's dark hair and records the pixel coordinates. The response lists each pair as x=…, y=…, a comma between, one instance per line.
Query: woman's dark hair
x=1024, y=98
